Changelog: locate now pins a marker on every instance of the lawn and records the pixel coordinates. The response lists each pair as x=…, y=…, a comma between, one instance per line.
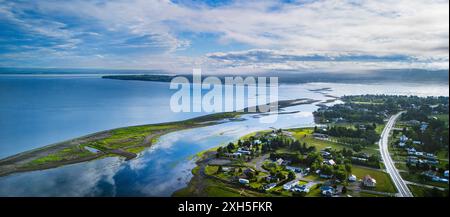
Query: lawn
x=62, y=155
x=218, y=189
x=401, y=166
x=211, y=170
x=384, y=182
x=305, y=135
x=314, y=191
x=443, y=117
x=366, y=194
x=419, y=191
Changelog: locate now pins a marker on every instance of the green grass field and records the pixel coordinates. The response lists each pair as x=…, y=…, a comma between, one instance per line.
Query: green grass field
x=305, y=135
x=384, y=182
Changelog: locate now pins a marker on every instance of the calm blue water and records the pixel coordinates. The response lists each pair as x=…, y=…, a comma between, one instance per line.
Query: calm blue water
x=36, y=111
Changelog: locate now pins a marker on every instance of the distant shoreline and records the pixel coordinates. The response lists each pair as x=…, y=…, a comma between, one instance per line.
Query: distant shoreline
x=437, y=77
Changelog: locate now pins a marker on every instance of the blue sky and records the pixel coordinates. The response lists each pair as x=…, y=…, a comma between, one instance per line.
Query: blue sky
x=225, y=36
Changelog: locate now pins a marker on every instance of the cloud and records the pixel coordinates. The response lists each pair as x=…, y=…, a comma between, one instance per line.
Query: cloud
x=279, y=34
x=292, y=60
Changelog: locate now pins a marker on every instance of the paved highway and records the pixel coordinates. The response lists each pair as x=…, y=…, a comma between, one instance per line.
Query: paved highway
x=403, y=190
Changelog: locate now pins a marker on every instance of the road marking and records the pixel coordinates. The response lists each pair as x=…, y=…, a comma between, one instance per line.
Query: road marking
x=402, y=188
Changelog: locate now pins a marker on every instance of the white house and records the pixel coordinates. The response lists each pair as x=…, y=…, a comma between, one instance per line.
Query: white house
x=415, y=142
x=303, y=188
x=270, y=186
x=330, y=162
x=411, y=150
x=280, y=161
x=290, y=185
x=320, y=136
x=369, y=181
x=352, y=178
x=244, y=181
x=327, y=191
x=294, y=169
x=242, y=151
x=403, y=138
x=423, y=126
x=446, y=173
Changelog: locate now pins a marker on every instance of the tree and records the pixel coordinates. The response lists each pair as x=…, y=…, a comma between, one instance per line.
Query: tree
x=340, y=174
x=327, y=170
x=230, y=147
x=280, y=175
x=291, y=175
x=348, y=168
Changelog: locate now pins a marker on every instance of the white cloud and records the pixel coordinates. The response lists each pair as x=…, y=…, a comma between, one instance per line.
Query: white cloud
x=415, y=28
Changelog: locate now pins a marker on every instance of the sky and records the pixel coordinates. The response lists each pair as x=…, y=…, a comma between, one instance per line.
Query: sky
x=229, y=36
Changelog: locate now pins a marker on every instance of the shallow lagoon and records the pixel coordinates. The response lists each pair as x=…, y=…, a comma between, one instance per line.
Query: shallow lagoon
x=51, y=109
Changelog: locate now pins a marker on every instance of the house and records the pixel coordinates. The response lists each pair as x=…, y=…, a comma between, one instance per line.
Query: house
x=432, y=162
x=270, y=186
x=294, y=169
x=446, y=173
x=429, y=174
x=325, y=176
x=233, y=155
x=322, y=126
x=290, y=185
x=286, y=162
x=412, y=150
x=430, y=156
x=412, y=160
x=226, y=169
x=307, y=170
x=403, y=138
x=339, y=119
x=362, y=127
x=325, y=154
x=415, y=142
x=359, y=159
x=244, y=181
x=287, y=133
x=304, y=188
x=368, y=181
x=423, y=126
x=242, y=151
x=352, y=178
x=257, y=142
x=279, y=161
x=248, y=170
x=272, y=179
x=330, y=162
x=419, y=154
x=411, y=153
x=320, y=135
x=401, y=144
x=413, y=122
x=364, y=155
x=327, y=191
x=439, y=179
